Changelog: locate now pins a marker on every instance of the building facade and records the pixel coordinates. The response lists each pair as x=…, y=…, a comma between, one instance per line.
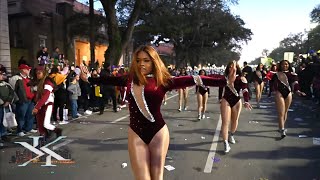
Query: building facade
x=4, y=36
x=34, y=24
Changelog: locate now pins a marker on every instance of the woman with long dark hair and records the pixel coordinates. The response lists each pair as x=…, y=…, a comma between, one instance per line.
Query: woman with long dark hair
x=231, y=105
x=202, y=97
x=148, y=134
x=45, y=99
x=258, y=77
x=183, y=93
x=282, y=82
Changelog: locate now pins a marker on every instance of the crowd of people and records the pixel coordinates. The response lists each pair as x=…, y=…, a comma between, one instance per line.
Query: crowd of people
x=38, y=94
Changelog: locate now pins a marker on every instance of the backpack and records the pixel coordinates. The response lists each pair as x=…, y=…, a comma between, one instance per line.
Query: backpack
x=13, y=80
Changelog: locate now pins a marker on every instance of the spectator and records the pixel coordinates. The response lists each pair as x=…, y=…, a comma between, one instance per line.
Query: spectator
x=305, y=76
x=85, y=90
x=108, y=91
x=56, y=56
x=43, y=56
x=6, y=98
x=60, y=95
x=248, y=73
x=25, y=104
x=74, y=93
x=96, y=96
x=43, y=108
x=316, y=87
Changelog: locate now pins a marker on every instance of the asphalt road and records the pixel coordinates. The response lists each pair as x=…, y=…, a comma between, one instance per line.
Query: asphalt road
x=97, y=146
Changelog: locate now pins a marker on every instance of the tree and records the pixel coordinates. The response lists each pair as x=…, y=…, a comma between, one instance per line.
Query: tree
x=300, y=42
x=278, y=53
x=315, y=14
x=199, y=30
x=313, y=42
x=79, y=25
x=120, y=29
x=91, y=29
x=293, y=43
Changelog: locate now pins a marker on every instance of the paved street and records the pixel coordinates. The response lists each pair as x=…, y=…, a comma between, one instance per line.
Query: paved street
x=98, y=146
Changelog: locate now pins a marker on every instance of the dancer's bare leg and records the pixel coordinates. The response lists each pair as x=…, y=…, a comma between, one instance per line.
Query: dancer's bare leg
x=257, y=86
x=180, y=91
x=280, y=104
x=235, y=113
x=200, y=107
x=225, y=116
x=158, y=150
x=139, y=156
x=261, y=91
x=204, y=102
x=185, y=97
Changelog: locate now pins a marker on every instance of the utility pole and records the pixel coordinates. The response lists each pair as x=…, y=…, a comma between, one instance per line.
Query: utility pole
x=92, y=39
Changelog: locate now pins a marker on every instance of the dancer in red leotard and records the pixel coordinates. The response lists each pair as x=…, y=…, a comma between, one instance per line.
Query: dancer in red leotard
x=282, y=82
x=148, y=134
x=231, y=103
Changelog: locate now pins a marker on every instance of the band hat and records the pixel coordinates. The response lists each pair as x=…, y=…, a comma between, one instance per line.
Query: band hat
x=40, y=68
x=24, y=66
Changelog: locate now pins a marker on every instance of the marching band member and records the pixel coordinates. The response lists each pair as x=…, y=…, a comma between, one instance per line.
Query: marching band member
x=43, y=108
x=231, y=105
x=258, y=77
x=282, y=82
x=148, y=134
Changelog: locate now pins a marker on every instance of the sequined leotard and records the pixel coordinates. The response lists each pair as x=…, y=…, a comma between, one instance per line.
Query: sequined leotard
x=231, y=94
x=258, y=76
x=282, y=81
x=145, y=115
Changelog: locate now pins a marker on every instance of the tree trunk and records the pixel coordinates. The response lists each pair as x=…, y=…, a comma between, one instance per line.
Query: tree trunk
x=118, y=42
x=92, y=40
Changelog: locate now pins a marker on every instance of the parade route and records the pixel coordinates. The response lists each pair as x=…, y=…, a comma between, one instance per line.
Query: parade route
x=97, y=145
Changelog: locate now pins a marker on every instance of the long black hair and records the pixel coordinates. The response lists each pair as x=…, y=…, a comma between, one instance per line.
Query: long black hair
x=238, y=71
x=202, y=70
x=289, y=68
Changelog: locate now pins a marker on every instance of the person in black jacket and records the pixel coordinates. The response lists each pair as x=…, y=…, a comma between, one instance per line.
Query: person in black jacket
x=60, y=94
x=247, y=73
x=108, y=91
x=6, y=98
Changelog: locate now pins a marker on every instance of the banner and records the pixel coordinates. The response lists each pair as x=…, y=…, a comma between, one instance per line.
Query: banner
x=288, y=56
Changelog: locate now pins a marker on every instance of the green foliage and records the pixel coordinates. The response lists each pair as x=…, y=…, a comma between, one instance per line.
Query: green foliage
x=315, y=14
x=314, y=39
x=300, y=42
x=278, y=53
x=296, y=43
x=199, y=30
x=79, y=26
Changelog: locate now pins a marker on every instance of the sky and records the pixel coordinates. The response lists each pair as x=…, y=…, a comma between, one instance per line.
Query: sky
x=271, y=21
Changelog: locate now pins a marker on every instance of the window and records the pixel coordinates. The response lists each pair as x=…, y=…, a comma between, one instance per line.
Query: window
x=12, y=4
x=17, y=40
x=42, y=41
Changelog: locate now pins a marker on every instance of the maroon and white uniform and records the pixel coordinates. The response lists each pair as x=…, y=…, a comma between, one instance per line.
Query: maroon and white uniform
x=284, y=81
x=144, y=103
x=44, y=106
